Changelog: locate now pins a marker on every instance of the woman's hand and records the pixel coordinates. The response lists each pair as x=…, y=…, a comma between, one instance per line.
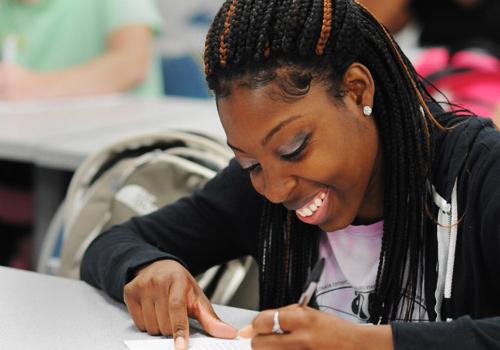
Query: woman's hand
x=162, y=296
x=19, y=83
x=307, y=328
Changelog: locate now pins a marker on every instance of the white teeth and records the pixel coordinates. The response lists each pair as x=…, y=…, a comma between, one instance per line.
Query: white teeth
x=311, y=208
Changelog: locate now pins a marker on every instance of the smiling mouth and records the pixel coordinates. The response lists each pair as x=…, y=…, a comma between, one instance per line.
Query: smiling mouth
x=312, y=206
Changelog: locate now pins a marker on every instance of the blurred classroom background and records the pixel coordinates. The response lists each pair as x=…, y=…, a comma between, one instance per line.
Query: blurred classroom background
x=43, y=141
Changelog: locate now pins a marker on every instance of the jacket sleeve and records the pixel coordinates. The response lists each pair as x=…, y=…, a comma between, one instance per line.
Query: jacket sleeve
x=216, y=224
x=460, y=334
x=465, y=332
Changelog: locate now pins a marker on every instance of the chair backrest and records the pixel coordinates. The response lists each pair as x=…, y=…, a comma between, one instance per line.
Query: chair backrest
x=135, y=177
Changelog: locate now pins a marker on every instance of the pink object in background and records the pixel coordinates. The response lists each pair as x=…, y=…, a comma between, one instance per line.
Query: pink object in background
x=468, y=78
x=16, y=206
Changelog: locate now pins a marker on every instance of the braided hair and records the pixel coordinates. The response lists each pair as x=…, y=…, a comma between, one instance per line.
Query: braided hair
x=293, y=42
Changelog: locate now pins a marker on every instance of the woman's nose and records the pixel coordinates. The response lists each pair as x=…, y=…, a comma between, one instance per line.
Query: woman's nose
x=276, y=186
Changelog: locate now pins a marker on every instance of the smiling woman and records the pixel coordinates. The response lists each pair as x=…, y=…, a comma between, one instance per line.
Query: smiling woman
x=286, y=65
x=292, y=162
x=340, y=153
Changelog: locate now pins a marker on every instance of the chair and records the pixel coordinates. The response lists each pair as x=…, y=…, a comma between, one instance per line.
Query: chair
x=182, y=76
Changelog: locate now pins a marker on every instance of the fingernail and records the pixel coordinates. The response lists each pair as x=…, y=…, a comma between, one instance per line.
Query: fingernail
x=180, y=343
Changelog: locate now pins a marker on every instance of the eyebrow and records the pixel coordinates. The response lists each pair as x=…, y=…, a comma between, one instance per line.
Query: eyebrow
x=272, y=132
x=277, y=128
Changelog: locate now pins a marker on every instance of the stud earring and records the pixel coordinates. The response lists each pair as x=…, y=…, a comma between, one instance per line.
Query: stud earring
x=367, y=111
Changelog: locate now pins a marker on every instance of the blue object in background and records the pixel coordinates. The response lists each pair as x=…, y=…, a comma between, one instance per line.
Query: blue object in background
x=202, y=19
x=182, y=76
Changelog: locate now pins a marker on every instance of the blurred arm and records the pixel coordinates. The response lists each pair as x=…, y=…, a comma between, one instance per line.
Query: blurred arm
x=122, y=66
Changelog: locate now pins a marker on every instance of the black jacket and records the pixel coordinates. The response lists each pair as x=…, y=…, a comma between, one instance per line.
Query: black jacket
x=221, y=222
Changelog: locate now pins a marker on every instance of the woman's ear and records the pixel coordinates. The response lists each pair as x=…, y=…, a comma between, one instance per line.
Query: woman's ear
x=358, y=83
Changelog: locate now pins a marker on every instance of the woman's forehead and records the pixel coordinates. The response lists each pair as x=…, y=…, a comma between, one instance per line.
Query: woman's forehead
x=249, y=112
x=267, y=101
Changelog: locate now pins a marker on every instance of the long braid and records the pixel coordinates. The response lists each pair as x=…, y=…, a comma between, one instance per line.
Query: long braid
x=411, y=256
x=249, y=40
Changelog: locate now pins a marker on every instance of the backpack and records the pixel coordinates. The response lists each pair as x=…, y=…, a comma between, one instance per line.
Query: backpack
x=469, y=78
x=132, y=177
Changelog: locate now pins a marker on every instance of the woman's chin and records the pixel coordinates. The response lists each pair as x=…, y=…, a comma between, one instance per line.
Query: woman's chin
x=332, y=224
x=329, y=226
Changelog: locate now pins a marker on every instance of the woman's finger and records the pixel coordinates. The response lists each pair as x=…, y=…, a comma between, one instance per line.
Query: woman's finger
x=288, y=318
x=135, y=311
x=162, y=316
x=149, y=316
x=211, y=323
x=177, y=309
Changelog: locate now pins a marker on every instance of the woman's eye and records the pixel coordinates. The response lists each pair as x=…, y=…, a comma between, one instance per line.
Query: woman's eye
x=251, y=168
x=296, y=154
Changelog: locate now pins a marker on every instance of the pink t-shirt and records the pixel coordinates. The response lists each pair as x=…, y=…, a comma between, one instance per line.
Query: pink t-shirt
x=351, y=263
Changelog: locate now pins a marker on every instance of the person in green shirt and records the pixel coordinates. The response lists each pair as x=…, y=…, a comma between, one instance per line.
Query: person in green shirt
x=58, y=48
x=55, y=48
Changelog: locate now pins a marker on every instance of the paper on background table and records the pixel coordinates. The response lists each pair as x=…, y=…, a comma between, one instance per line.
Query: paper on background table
x=194, y=344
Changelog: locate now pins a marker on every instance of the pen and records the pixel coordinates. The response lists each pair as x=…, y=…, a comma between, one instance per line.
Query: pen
x=305, y=298
x=312, y=282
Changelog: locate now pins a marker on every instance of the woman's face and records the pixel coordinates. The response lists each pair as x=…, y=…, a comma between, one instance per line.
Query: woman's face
x=316, y=155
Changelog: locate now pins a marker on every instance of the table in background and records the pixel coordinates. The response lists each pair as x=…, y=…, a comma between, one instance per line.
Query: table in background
x=57, y=135
x=42, y=312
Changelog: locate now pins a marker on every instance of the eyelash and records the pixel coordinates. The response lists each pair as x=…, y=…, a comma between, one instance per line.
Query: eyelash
x=293, y=156
x=251, y=168
x=297, y=154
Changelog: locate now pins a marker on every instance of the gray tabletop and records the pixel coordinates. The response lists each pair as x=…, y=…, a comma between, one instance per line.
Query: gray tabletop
x=39, y=312
x=59, y=134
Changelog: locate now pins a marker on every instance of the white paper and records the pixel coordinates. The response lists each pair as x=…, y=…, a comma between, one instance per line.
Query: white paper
x=194, y=344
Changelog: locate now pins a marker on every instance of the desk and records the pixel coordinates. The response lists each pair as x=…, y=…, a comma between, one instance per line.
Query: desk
x=41, y=312
x=59, y=134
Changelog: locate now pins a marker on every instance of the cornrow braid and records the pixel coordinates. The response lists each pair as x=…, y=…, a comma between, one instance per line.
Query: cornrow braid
x=240, y=16
x=255, y=29
x=294, y=43
x=326, y=27
x=211, y=56
x=223, y=46
x=279, y=26
x=293, y=23
x=310, y=32
x=263, y=44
